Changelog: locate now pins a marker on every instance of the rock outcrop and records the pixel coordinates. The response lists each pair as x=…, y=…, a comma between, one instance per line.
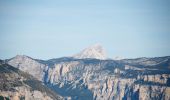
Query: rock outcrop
x=18, y=85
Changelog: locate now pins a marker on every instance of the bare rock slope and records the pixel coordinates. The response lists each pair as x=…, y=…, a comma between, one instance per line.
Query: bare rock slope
x=18, y=85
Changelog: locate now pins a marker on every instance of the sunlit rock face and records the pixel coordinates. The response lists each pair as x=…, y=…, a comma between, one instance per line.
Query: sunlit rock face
x=110, y=79
x=95, y=79
x=29, y=65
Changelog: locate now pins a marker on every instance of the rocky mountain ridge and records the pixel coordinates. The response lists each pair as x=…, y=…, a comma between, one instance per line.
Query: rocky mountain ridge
x=95, y=79
x=88, y=75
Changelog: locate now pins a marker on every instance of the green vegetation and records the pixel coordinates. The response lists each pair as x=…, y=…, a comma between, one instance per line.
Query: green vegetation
x=4, y=98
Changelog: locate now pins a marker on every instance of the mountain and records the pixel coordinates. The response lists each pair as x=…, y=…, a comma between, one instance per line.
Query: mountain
x=29, y=65
x=95, y=51
x=95, y=79
x=19, y=85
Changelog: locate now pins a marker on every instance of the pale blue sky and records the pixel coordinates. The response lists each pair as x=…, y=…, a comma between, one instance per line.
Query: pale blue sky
x=50, y=29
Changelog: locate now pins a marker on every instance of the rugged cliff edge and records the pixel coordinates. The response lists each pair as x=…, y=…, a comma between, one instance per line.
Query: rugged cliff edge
x=95, y=79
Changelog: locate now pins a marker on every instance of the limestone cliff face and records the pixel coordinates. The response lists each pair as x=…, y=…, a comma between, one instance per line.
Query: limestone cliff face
x=60, y=72
x=123, y=89
x=87, y=79
x=110, y=80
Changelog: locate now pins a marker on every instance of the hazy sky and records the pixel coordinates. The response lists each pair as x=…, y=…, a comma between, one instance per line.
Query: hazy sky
x=50, y=29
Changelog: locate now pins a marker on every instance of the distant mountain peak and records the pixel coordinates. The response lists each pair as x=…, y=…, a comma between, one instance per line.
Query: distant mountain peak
x=19, y=56
x=95, y=51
